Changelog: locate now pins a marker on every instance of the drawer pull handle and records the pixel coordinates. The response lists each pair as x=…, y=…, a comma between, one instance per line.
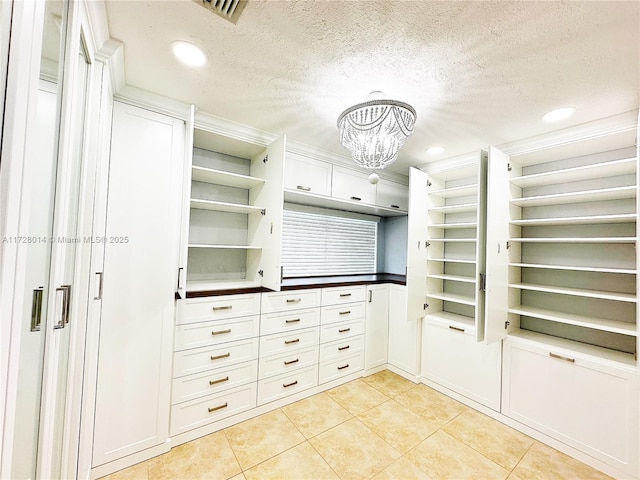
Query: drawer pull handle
x=303, y=188
x=218, y=357
x=224, y=307
x=289, y=342
x=285, y=385
x=343, y=367
x=221, y=332
x=294, y=320
x=457, y=329
x=562, y=357
x=356, y=198
x=347, y=312
x=293, y=300
x=342, y=330
x=344, y=348
x=395, y=206
x=345, y=294
x=220, y=380
x=219, y=407
x=290, y=362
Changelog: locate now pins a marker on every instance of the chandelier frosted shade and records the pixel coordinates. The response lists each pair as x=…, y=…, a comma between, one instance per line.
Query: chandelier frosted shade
x=375, y=131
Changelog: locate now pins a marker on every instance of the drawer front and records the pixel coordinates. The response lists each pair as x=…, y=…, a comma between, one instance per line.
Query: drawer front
x=278, y=364
x=202, y=411
x=341, y=349
x=193, y=335
x=288, y=342
x=339, y=368
x=338, y=331
x=342, y=313
x=285, y=322
x=342, y=295
x=204, y=359
x=207, y=383
x=212, y=308
x=292, y=300
x=280, y=386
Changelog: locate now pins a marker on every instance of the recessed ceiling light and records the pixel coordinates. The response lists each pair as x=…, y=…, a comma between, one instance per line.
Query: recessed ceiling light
x=189, y=54
x=558, y=114
x=435, y=150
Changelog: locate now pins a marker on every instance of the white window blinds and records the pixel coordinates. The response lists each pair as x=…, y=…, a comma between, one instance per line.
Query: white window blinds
x=318, y=244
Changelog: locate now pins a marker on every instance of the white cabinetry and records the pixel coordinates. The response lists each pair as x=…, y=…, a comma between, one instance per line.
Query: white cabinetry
x=377, y=326
x=405, y=335
x=141, y=260
x=392, y=195
x=307, y=175
x=353, y=186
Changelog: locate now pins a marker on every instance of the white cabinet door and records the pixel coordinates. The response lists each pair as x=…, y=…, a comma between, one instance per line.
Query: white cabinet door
x=306, y=175
x=404, y=336
x=392, y=195
x=351, y=185
x=141, y=258
x=377, y=326
x=417, y=236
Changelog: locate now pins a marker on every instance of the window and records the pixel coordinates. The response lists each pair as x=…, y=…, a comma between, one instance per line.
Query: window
x=327, y=244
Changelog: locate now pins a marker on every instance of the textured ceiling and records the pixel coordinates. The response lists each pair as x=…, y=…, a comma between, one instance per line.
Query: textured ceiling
x=477, y=73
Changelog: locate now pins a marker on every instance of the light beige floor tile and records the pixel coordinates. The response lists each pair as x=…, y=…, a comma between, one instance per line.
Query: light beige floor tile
x=402, y=469
x=443, y=457
x=136, y=472
x=240, y=476
x=397, y=425
x=206, y=457
x=493, y=439
x=316, y=414
x=513, y=476
x=389, y=383
x=430, y=404
x=357, y=396
x=543, y=462
x=353, y=451
x=301, y=462
x=263, y=437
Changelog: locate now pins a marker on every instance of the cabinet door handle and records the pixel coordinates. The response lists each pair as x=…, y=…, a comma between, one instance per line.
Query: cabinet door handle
x=224, y=307
x=290, y=362
x=344, y=348
x=343, y=330
x=562, y=357
x=218, y=357
x=457, y=329
x=370, y=296
x=64, y=307
x=345, y=294
x=220, y=380
x=180, y=269
x=303, y=188
x=343, y=367
x=356, y=198
x=293, y=320
x=221, y=332
x=100, y=282
x=395, y=206
x=219, y=407
x=285, y=385
x=289, y=342
x=346, y=312
x=293, y=300
x=36, y=309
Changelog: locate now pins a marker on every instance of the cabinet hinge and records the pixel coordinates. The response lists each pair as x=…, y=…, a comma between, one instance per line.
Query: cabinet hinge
x=261, y=273
x=506, y=324
x=427, y=244
x=508, y=245
x=265, y=159
x=509, y=167
x=429, y=183
x=483, y=282
x=263, y=212
x=425, y=306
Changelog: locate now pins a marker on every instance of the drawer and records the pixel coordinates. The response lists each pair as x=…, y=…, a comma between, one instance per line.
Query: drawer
x=284, y=322
x=339, y=368
x=194, y=335
x=207, y=383
x=202, y=411
x=292, y=300
x=336, y=331
x=341, y=313
x=204, y=359
x=288, y=342
x=211, y=308
x=277, y=364
x=280, y=386
x=341, y=295
x=341, y=348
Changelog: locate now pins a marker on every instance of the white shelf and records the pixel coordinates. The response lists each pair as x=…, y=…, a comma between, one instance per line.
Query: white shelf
x=464, y=208
x=209, y=285
x=220, y=177
x=453, y=278
x=453, y=240
x=452, y=260
x=454, y=192
x=453, y=319
x=224, y=247
x=450, y=297
x=603, y=324
x=453, y=226
x=223, y=206
x=587, y=172
x=616, y=193
x=578, y=292
x=575, y=269
x=304, y=198
x=575, y=240
x=585, y=220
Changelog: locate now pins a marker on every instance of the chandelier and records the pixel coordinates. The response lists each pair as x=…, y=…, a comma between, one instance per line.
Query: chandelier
x=374, y=131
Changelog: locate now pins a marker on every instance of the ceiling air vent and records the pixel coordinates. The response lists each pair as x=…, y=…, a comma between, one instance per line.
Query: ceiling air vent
x=227, y=9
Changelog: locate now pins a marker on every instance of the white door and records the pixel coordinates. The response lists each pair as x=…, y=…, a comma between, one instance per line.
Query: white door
x=377, y=326
x=417, y=245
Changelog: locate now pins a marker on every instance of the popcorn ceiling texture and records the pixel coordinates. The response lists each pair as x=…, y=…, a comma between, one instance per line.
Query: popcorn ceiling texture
x=477, y=73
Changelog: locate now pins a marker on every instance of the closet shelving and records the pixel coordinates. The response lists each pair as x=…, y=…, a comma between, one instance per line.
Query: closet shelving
x=455, y=245
x=572, y=249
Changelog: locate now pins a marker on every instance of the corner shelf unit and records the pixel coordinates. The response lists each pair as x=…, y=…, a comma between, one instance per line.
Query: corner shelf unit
x=455, y=245
x=572, y=249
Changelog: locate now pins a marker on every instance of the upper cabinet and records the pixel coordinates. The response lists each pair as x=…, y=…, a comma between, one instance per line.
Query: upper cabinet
x=392, y=195
x=235, y=213
x=353, y=186
x=307, y=175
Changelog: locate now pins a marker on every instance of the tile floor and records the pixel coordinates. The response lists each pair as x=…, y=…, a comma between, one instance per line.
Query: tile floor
x=378, y=427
